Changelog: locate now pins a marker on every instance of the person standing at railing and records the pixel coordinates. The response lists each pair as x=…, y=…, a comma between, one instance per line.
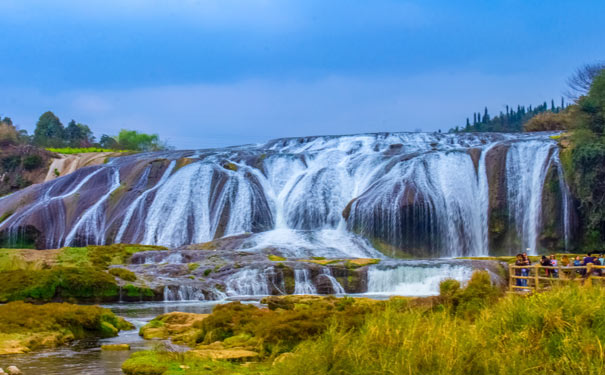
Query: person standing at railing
x=602, y=259
x=566, y=262
x=525, y=271
x=597, y=271
x=518, y=271
x=554, y=263
x=545, y=262
x=578, y=263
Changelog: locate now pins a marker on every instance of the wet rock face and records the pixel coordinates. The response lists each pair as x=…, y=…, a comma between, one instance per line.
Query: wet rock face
x=498, y=214
x=426, y=195
x=216, y=274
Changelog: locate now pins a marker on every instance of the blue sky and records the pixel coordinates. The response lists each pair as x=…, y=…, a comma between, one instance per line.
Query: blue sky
x=206, y=73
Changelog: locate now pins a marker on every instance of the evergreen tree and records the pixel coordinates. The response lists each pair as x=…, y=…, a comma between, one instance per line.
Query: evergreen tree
x=49, y=131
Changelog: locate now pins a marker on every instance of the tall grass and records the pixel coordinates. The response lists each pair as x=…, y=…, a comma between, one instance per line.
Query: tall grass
x=10, y=260
x=557, y=332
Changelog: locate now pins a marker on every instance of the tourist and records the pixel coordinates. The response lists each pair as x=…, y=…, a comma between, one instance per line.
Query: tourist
x=519, y=271
x=566, y=262
x=554, y=263
x=597, y=271
x=545, y=262
x=602, y=259
x=578, y=263
x=525, y=271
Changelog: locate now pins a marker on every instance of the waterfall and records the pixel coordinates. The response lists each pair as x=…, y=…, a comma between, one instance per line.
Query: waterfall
x=566, y=201
x=413, y=279
x=303, y=283
x=183, y=293
x=526, y=166
x=137, y=205
x=92, y=224
x=336, y=287
x=248, y=282
x=419, y=194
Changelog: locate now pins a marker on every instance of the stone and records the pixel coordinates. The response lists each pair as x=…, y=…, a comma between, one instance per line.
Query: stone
x=13, y=370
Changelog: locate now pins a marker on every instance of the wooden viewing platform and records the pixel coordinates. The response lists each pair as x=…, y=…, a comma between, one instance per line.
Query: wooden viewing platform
x=538, y=277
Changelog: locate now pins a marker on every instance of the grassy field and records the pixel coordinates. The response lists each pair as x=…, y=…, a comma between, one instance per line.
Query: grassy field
x=472, y=330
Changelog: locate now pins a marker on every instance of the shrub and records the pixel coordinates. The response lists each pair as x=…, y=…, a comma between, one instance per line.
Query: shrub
x=57, y=283
x=8, y=134
x=10, y=163
x=32, y=326
x=123, y=274
x=32, y=162
x=478, y=293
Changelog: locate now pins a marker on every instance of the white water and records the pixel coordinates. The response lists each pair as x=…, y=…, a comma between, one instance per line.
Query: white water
x=336, y=287
x=526, y=166
x=415, y=191
x=183, y=293
x=91, y=224
x=248, y=282
x=413, y=280
x=303, y=283
x=137, y=203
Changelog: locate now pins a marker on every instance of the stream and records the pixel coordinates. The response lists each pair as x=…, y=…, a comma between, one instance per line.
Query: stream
x=86, y=357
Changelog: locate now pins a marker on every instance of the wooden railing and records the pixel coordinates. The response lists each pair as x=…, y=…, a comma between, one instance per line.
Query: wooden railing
x=539, y=276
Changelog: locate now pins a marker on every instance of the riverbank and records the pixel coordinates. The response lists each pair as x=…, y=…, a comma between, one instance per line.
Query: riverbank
x=25, y=327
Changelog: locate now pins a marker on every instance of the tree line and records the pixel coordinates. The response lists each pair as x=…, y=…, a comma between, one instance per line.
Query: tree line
x=51, y=133
x=510, y=120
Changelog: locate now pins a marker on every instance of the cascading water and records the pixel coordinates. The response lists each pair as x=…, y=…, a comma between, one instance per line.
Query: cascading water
x=526, y=167
x=336, y=287
x=411, y=279
x=248, y=282
x=417, y=193
x=303, y=283
x=91, y=225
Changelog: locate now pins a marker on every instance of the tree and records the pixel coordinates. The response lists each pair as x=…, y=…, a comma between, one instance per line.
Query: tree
x=78, y=135
x=8, y=134
x=133, y=140
x=579, y=83
x=108, y=142
x=49, y=131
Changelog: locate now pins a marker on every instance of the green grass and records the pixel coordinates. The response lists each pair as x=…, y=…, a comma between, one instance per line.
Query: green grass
x=162, y=362
x=64, y=283
x=472, y=330
x=123, y=274
x=101, y=256
x=24, y=326
x=77, y=274
x=275, y=258
x=10, y=260
x=75, y=150
x=557, y=332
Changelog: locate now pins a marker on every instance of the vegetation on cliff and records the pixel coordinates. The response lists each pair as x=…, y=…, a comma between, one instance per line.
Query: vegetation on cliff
x=25, y=327
x=583, y=153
